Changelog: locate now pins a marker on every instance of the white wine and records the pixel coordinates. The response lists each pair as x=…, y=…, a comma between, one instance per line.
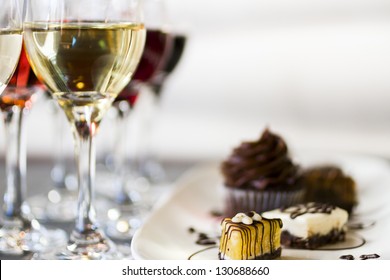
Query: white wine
x=85, y=64
x=10, y=48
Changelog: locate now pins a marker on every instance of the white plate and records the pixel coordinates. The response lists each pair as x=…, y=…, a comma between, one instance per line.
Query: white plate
x=166, y=234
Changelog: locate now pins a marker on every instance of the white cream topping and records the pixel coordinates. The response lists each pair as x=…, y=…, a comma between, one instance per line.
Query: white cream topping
x=309, y=224
x=246, y=219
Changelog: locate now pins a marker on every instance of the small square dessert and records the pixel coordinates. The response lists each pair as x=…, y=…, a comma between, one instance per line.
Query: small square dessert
x=250, y=237
x=310, y=225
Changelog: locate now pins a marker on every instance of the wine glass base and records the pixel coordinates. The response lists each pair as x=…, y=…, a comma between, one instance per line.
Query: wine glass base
x=122, y=220
x=17, y=242
x=93, y=252
x=122, y=229
x=56, y=205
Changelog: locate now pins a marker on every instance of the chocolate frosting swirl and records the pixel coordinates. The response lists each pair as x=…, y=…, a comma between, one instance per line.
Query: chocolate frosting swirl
x=260, y=164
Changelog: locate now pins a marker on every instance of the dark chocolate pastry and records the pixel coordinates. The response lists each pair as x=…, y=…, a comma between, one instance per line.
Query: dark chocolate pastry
x=329, y=184
x=260, y=164
x=260, y=176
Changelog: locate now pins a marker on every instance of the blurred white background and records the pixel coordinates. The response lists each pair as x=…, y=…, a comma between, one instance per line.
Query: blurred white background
x=317, y=72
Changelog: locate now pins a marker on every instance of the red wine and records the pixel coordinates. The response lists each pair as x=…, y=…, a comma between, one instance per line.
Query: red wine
x=18, y=91
x=129, y=93
x=157, y=45
x=171, y=61
x=23, y=75
x=178, y=44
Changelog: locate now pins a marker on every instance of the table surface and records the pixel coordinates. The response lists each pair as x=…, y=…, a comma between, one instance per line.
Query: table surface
x=39, y=182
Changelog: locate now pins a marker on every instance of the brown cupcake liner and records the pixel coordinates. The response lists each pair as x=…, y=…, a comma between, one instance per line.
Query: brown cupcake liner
x=238, y=200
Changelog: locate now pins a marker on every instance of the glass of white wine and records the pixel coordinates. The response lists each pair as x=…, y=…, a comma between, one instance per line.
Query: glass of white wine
x=85, y=52
x=10, y=39
x=20, y=234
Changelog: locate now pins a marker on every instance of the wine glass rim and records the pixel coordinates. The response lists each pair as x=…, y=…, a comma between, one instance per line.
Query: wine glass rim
x=83, y=22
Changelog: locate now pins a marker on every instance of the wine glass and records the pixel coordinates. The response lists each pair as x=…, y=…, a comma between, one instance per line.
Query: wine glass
x=10, y=39
x=149, y=166
x=125, y=212
x=20, y=233
x=179, y=41
x=85, y=59
x=16, y=227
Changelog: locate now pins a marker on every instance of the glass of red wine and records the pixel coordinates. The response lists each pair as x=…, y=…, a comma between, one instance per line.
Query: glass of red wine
x=125, y=212
x=179, y=40
x=149, y=166
x=20, y=232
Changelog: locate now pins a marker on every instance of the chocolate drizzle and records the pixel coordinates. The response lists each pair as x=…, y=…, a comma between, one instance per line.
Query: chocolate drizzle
x=311, y=207
x=260, y=164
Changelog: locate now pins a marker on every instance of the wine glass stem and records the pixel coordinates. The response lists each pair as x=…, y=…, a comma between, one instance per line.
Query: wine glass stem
x=147, y=163
x=15, y=163
x=85, y=154
x=59, y=169
x=149, y=126
x=122, y=196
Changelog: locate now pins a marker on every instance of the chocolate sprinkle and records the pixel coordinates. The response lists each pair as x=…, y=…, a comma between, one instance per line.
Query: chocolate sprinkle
x=369, y=256
x=203, y=238
x=216, y=213
x=206, y=241
x=362, y=257
x=347, y=257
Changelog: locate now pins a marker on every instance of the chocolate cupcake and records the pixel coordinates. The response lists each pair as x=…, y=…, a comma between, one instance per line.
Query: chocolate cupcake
x=329, y=184
x=260, y=176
